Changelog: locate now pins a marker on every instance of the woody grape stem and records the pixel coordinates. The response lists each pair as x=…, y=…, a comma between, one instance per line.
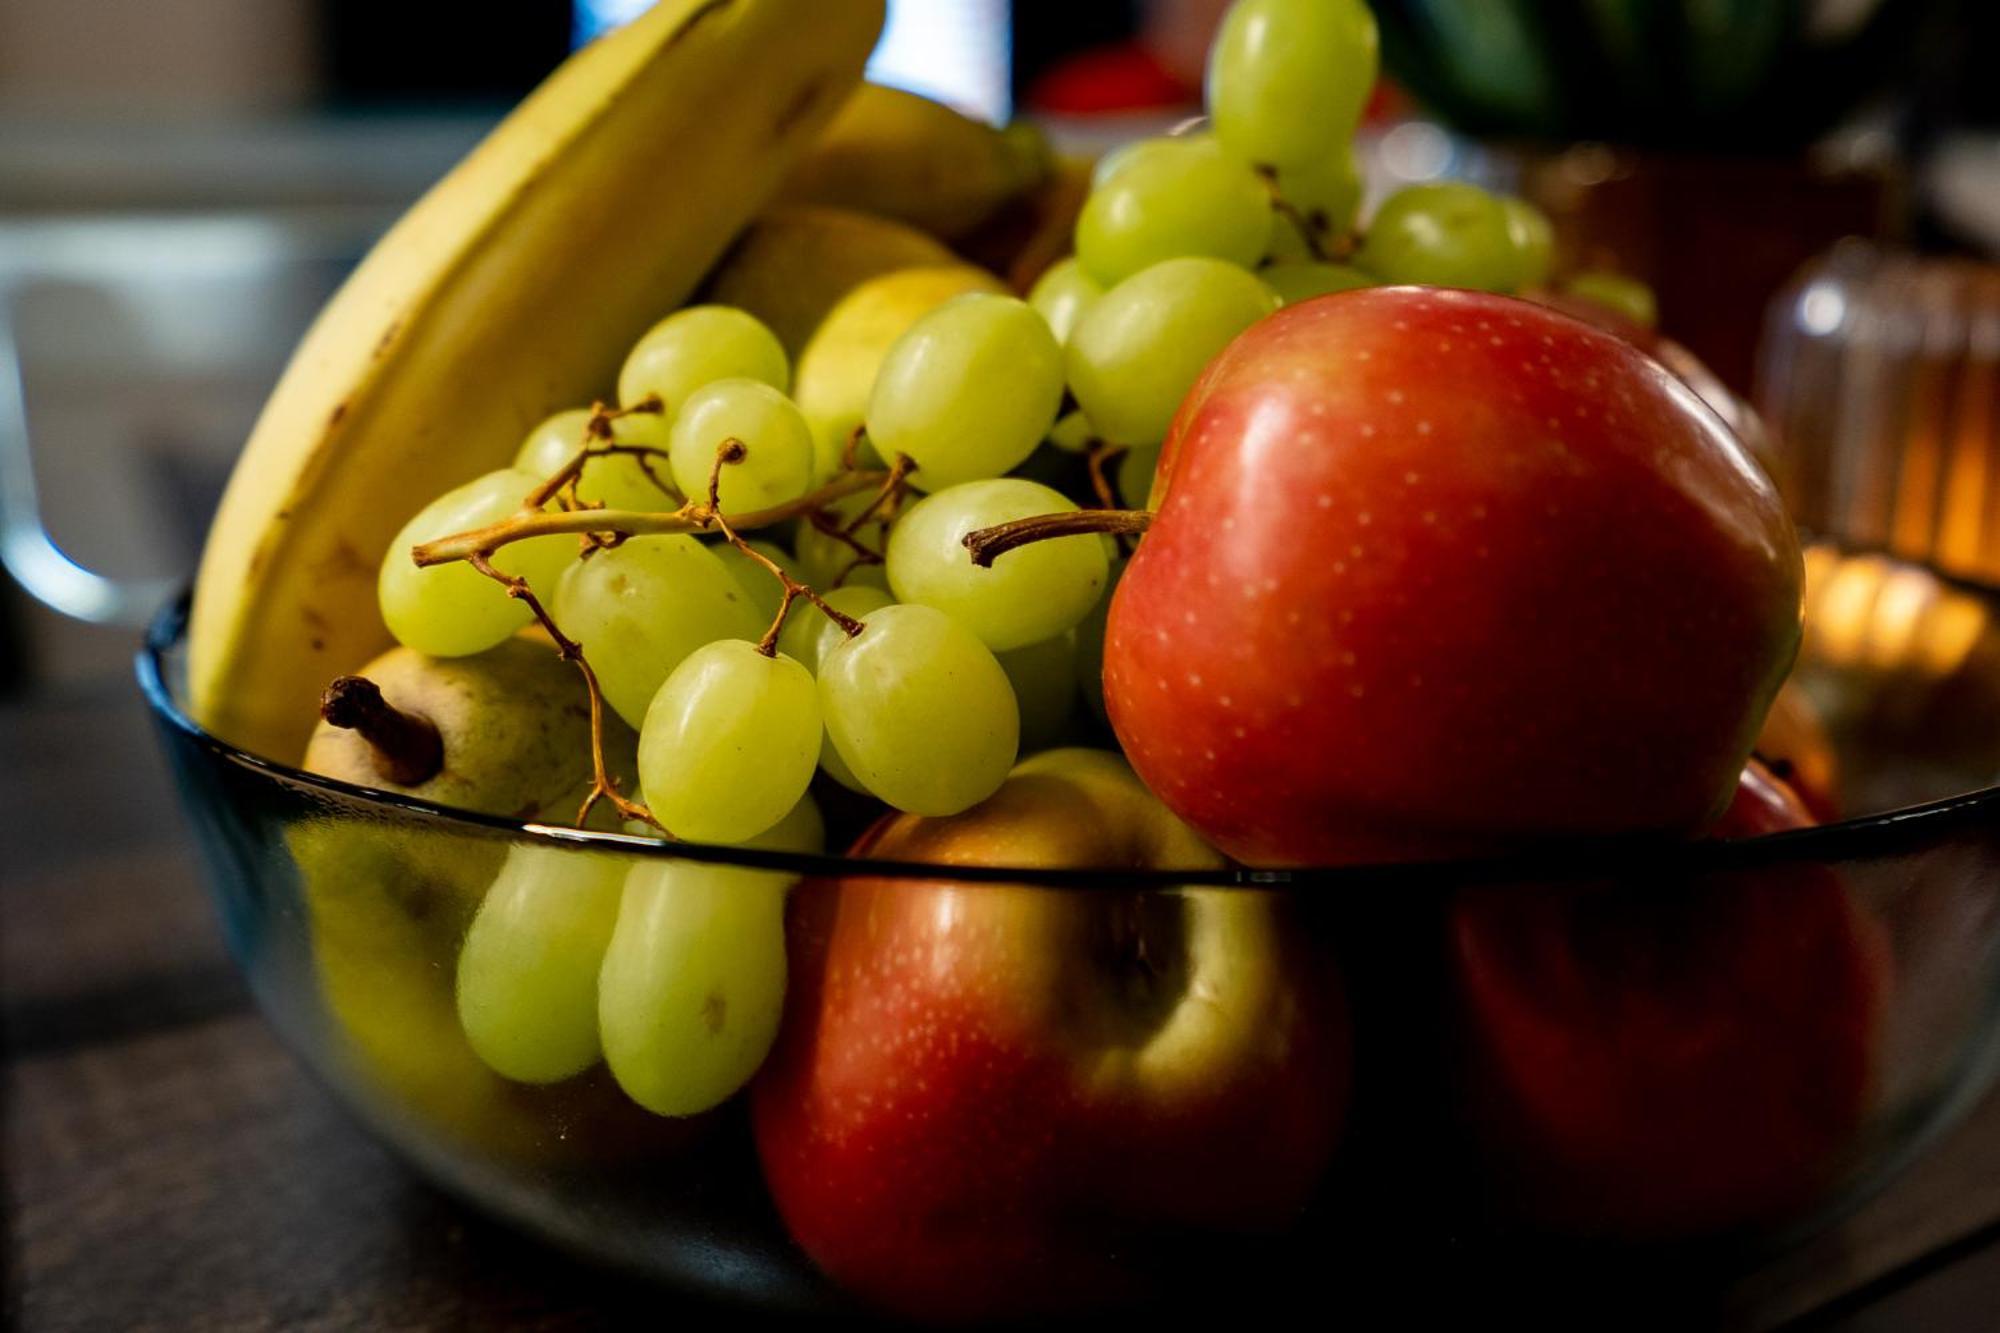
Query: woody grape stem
x=733, y=450
x=602, y=785
x=989, y=544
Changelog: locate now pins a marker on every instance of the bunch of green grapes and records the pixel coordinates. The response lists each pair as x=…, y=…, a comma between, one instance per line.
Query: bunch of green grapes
x=1184, y=241
x=850, y=638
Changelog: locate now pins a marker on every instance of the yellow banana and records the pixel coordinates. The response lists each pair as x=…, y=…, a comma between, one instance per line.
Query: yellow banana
x=907, y=157
x=795, y=263
x=511, y=289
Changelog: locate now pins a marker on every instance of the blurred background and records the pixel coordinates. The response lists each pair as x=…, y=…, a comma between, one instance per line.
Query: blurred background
x=1811, y=187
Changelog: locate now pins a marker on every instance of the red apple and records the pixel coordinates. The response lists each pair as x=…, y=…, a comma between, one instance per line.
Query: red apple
x=1737, y=414
x=1671, y=1059
x=1437, y=571
x=1797, y=746
x=989, y=1100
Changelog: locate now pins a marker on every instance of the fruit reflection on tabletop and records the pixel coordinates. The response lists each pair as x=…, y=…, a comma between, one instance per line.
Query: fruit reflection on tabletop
x=992, y=1100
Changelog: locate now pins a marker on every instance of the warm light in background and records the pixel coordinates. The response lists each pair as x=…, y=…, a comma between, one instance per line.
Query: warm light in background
x=957, y=51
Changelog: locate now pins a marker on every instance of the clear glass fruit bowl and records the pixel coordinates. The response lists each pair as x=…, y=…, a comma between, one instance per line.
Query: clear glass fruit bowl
x=1002, y=1092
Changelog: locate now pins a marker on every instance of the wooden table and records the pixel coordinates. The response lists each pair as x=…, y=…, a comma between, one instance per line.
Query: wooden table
x=167, y=1165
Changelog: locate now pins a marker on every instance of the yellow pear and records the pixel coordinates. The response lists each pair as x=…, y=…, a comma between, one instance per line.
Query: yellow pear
x=503, y=732
x=792, y=265
x=835, y=372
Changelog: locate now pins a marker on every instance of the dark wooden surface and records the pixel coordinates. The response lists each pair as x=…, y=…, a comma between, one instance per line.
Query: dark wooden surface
x=167, y=1165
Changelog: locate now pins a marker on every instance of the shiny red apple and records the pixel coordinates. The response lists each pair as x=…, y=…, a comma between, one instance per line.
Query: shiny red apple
x=990, y=1100
x=1671, y=1059
x=1439, y=571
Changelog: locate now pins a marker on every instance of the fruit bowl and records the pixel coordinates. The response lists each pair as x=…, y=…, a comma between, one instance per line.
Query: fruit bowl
x=1381, y=1070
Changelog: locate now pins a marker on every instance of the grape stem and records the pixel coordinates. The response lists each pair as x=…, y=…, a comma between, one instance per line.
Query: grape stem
x=599, y=527
x=1099, y=458
x=690, y=517
x=406, y=747
x=733, y=450
x=1313, y=227
x=598, y=442
x=603, y=787
x=885, y=499
x=1308, y=225
x=864, y=554
x=989, y=544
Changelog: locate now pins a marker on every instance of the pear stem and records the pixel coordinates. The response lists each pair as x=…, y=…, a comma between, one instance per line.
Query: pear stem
x=407, y=749
x=989, y=544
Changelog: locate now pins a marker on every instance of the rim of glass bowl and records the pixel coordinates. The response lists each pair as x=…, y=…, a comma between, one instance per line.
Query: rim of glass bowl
x=1572, y=859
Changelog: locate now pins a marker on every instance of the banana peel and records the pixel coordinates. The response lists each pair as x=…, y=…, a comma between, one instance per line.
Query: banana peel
x=510, y=290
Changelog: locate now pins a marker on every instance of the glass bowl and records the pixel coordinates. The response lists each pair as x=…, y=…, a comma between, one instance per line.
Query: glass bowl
x=1548, y=1071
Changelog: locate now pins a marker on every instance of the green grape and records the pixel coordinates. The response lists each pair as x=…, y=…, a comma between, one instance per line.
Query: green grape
x=694, y=977
x=1296, y=281
x=1619, y=294
x=729, y=743
x=1324, y=198
x=1534, y=240
x=697, y=346
x=1443, y=234
x=802, y=831
x=807, y=636
x=527, y=972
x=641, y=607
x=1123, y=155
x=764, y=590
x=1139, y=350
x=616, y=481
x=1178, y=197
x=920, y=711
x=1090, y=645
x=1044, y=679
x=1288, y=79
x=693, y=983
x=809, y=632
x=836, y=768
x=968, y=391
x=1029, y=594
x=1073, y=433
x=453, y=610
x=1136, y=467
x=1062, y=294
x=777, y=463
x=826, y=562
